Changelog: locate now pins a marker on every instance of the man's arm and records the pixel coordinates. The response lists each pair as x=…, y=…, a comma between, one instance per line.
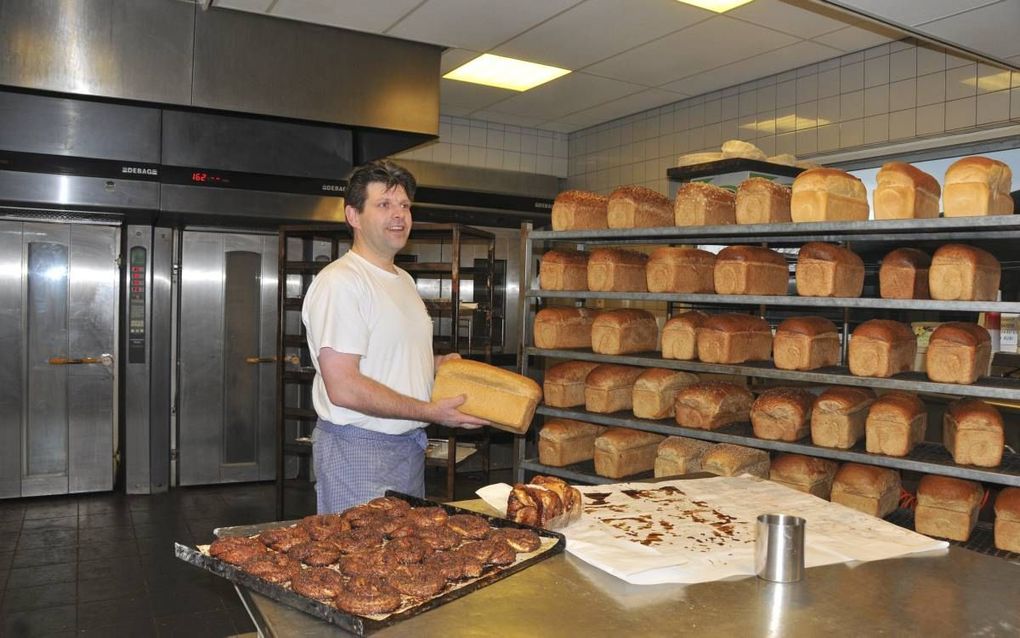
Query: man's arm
x=350, y=389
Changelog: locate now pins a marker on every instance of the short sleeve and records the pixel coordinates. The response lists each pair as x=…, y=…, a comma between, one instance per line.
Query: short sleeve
x=334, y=315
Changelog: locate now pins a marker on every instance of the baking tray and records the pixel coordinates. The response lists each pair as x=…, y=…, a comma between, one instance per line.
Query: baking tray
x=731, y=165
x=356, y=624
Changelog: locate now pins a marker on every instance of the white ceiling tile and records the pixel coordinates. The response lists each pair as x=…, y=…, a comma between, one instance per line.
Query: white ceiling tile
x=621, y=107
x=455, y=111
x=714, y=42
x=349, y=14
x=759, y=66
x=991, y=29
x=570, y=93
x=473, y=24
x=254, y=6
x=472, y=96
x=802, y=18
x=507, y=118
x=914, y=12
x=560, y=126
x=862, y=36
x=569, y=39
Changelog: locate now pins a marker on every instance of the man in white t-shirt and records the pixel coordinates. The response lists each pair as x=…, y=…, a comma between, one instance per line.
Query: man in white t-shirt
x=371, y=342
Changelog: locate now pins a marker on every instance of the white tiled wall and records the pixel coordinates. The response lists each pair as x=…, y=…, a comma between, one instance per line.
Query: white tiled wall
x=467, y=142
x=874, y=97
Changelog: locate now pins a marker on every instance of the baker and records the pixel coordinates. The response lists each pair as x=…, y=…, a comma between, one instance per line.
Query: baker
x=371, y=342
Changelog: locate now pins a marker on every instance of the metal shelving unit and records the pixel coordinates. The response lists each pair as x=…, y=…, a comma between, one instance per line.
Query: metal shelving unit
x=304, y=251
x=992, y=232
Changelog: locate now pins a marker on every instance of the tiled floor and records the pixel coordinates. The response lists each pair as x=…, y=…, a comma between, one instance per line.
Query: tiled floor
x=103, y=564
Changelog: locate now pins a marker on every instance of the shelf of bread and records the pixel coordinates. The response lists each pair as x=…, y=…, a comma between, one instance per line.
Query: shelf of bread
x=925, y=457
x=823, y=205
x=871, y=229
x=984, y=387
x=785, y=300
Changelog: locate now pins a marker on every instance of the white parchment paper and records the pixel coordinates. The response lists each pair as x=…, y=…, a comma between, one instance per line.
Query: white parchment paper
x=691, y=531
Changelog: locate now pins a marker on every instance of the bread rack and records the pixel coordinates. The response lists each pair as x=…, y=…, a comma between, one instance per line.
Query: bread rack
x=992, y=233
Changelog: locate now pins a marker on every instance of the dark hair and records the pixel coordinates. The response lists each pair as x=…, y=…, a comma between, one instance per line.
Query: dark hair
x=381, y=171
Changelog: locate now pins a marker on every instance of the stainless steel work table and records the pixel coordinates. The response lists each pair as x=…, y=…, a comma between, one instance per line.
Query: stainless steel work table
x=956, y=593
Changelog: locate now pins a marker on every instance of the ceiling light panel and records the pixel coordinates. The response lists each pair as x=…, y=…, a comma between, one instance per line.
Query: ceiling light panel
x=505, y=73
x=719, y=6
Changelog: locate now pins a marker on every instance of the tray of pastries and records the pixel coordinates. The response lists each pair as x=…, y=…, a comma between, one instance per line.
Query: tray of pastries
x=374, y=564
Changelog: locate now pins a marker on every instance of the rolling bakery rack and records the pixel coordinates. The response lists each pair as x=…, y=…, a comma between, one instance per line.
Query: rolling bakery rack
x=870, y=239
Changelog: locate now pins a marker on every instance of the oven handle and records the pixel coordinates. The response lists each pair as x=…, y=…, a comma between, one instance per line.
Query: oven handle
x=255, y=360
x=103, y=359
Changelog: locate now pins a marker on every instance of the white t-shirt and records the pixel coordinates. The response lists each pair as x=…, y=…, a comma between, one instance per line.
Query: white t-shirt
x=355, y=307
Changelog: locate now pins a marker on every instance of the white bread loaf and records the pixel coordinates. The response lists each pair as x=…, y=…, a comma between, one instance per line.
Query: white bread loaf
x=963, y=273
x=563, y=327
x=750, y=270
x=782, y=414
x=679, y=455
x=563, y=270
x=866, y=488
x=580, y=210
x=881, y=348
x=827, y=270
x=896, y=423
x=905, y=192
x=564, y=442
x=702, y=204
x=762, y=201
x=624, y=331
x=563, y=384
x=734, y=338
x=804, y=473
x=677, y=269
x=947, y=507
x=978, y=186
x=805, y=343
x=506, y=399
x=610, y=388
x=621, y=452
x=904, y=275
x=616, y=270
x=972, y=431
x=828, y=195
x=680, y=337
x=710, y=405
x=1007, y=520
x=639, y=207
x=655, y=392
x=838, y=416
x=958, y=352
x=726, y=459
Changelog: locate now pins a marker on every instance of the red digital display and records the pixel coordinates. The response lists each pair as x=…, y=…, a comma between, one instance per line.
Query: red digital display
x=202, y=177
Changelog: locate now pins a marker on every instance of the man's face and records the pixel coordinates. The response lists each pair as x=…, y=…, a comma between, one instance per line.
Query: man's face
x=385, y=223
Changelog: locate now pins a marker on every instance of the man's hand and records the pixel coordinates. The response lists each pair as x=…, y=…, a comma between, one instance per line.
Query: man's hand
x=443, y=358
x=445, y=412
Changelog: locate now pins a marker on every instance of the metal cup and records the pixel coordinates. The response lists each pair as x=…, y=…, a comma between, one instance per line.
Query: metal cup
x=779, y=548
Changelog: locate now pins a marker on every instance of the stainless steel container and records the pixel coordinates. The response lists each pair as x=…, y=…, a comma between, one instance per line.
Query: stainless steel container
x=779, y=548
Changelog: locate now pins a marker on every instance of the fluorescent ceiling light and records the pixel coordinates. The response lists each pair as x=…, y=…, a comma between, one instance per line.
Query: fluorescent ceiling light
x=989, y=83
x=719, y=6
x=787, y=123
x=505, y=73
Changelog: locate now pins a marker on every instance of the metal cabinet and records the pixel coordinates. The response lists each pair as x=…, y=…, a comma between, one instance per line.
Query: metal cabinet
x=59, y=299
